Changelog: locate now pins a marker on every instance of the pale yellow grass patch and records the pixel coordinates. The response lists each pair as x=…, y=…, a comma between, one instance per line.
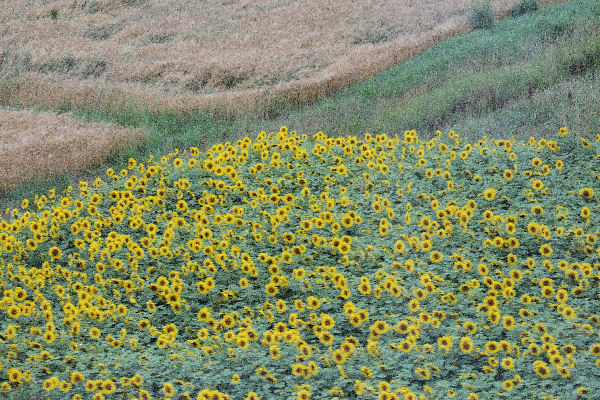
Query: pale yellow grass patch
x=224, y=54
x=39, y=145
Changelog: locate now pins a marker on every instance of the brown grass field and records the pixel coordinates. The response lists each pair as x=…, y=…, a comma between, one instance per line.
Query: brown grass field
x=223, y=54
x=236, y=56
x=35, y=145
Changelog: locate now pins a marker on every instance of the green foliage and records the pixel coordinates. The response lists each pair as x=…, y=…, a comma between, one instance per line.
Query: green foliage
x=525, y=6
x=481, y=16
x=596, y=9
x=550, y=29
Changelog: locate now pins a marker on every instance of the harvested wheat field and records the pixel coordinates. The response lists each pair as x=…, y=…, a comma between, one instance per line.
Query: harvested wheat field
x=36, y=145
x=224, y=54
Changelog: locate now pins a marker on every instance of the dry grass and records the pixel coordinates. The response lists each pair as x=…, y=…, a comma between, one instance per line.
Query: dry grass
x=38, y=145
x=183, y=55
x=223, y=54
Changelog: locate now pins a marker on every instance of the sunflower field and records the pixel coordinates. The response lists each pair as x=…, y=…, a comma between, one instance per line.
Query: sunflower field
x=295, y=266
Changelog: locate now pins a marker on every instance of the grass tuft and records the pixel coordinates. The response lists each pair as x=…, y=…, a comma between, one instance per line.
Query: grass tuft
x=524, y=7
x=481, y=16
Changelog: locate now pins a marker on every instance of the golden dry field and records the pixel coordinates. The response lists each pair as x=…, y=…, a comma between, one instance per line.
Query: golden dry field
x=226, y=54
x=33, y=144
x=233, y=56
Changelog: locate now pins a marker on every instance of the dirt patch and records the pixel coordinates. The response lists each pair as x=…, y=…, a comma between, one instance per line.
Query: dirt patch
x=186, y=55
x=38, y=145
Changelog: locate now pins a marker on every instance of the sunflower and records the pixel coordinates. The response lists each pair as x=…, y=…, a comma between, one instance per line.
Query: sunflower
x=242, y=341
x=14, y=375
x=298, y=369
x=251, y=396
x=414, y=305
x=144, y=395
x=508, y=385
x=470, y=327
x=546, y=250
x=31, y=244
x=466, y=344
x=344, y=248
x=384, y=229
x=306, y=225
x=49, y=384
x=14, y=311
x=380, y=327
x=423, y=373
x=436, y=256
x=122, y=310
x=405, y=346
x=244, y=283
x=585, y=212
x=508, y=363
x=108, y=387
x=136, y=380
x=289, y=237
x=327, y=321
x=347, y=221
x=508, y=322
x=445, y=343
x=312, y=303
x=542, y=370
x=303, y=395
x=49, y=337
x=338, y=356
x=64, y=386
x=91, y=386
x=228, y=322
x=55, y=253
x=556, y=360
x=76, y=377
x=95, y=333
x=364, y=288
x=595, y=350
x=271, y=289
x=425, y=317
x=587, y=193
x=489, y=194
x=355, y=320
x=162, y=341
